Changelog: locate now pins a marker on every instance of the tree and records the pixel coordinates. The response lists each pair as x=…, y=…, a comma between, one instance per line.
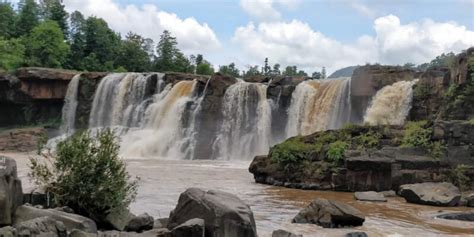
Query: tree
x=316, y=75
x=132, y=54
x=54, y=10
x=290, y=71
x=103, y=42
x=229, y=70
x=252, y=71
x=46, y=46
x=302, y=73
x=266, y=68
x=199, y=59
x=166, y=52
x=276, y=70
x=204, y=69
x=7, y=20
x=12, y=53
x=323, y=73
x=77, y=41
x=28, y=17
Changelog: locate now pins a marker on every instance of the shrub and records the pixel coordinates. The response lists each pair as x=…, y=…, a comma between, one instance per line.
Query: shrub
x=86, y=174
x=437, y=149
x=336, y=151
x=471, y=121
x=290, y=152
x=459, y=177
x=368, y=140
x=417, y=135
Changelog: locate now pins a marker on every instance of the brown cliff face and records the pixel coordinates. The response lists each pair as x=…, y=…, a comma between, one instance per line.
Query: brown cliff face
x=44, y=83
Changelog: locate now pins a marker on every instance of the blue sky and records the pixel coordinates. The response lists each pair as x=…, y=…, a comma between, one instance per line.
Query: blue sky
x=307, y=33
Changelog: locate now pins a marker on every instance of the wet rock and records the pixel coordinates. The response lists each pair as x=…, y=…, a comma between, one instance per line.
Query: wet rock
x=370, y=196
x=118, y=219
x=357, y=234
x=192, y=228
x=8, y=231
x=463, y=216
x=389, y=193
x=224, y=214
x=284, y=233
x=329, y=214
x=10, y=190
x=41, y=226
x=80, y=233
x=160, y=223
x=434, y=194
x=71, y=221
x=140, y=223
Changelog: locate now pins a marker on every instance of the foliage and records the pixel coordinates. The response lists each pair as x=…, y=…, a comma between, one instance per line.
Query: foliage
x=368, y=140
x=291, y=152
x=252, y=71
x=336, y=151
x=169, y=57
x=28, y=17
x=86, y=174
x=12, y=53
x=417, y=134
x=133, y=53
x=7, y=20
x=459, y=176
x=230, y=70
x=46, y=46
x=101, y=41
x=54, y=10
x=204, y=69
x=437, y=149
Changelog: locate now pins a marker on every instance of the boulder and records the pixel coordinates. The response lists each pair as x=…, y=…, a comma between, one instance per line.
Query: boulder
x=8, y=231
x=434, y=194
x=140, y=223
x=470, y=200
x=370, y=196
x=160, y=223
x=80, y=233
x=118, y=219
x=192, y=228
x=357, y=234
x=461, y=216
x=284, y=233
x=224, y=214
x=329, y=214
x=10, y=190
x=71, y=221
x=41, y=226
x=389, y=193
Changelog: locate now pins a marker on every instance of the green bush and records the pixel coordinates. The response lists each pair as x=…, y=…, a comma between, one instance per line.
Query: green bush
x=459, y=177
x=336, y=151
x=368, y=140
x=86, y=174
x=291, y=151
x=417, y=135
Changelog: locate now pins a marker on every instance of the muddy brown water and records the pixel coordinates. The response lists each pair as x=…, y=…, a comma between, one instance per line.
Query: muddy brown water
x=161, y=182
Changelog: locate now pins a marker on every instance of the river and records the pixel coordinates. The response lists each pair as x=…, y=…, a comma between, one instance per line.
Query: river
x=161, y=182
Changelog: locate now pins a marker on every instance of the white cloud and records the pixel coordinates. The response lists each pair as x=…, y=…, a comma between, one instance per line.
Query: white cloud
x=363, y=9
x=149, y=21
x=265, y=9
x=296, y=43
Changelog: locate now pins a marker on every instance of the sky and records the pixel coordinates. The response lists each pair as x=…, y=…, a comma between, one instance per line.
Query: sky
x=307, y=33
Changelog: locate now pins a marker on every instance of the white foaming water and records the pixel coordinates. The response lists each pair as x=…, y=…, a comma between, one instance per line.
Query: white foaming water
x=245, y=130
x=318, y=105
x=70, y=106
x=163, y=134
x=391, y=104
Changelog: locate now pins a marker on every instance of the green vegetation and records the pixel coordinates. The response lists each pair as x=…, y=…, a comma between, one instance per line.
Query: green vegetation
x=86, y=174
x=291, y=152
x=471, y=121
x=417, y=134
x=460, y=177
x=336, y=151
x=46, y=46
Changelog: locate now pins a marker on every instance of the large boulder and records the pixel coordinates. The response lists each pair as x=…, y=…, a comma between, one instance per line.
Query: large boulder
x=10, y=190
x=460, y=216
x=118, y=219
x=434, y=194
x=71, y=221
x=191, y=228
x=370, y=196
x=140, y=223
x=224, y=214
x=329, y=214
x=8, y=231
x=41, y=226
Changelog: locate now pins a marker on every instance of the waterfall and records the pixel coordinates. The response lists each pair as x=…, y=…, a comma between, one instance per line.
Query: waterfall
x=318, y=105
x=245, y=129
x=164, y=131
x=391, y=104
x=70, y=106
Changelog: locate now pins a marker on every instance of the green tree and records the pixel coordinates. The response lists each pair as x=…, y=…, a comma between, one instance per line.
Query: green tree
x=7, y=20
x=290, y=71
x=302, y=73
x=266, y=68
x=12, y=53
x=276, y=70
x=323, y=73
x=77, y=41
x=316, y=75
x=252, y=71
x=54, y=10
x=28, y=17
x=101, y=41
x=46, y=46
x=204, y=69
x=133, y=55
x=166, y=52
x=230, y=70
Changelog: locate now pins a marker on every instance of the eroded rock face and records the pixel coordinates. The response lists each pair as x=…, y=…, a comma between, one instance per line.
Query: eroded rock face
x=140, y=223
x=191, y=228
x=10, y=190
x=434, y=194
x=224, y=214
x=41, y=226
x=329, y=214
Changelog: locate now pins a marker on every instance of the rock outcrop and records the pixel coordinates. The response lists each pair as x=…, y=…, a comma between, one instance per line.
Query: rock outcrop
x=224, y=214
x=370, y=196
x=434, y=194
x=191, y=228
x=10, y=190
x=41, y=226
x=330, y=214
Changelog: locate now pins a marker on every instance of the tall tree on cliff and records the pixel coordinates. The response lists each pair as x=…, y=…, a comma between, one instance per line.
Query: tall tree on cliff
x=54, y=10
x=266, y=68
x=12, y=53
x=77, y=41
x=46, y=46
x=230, y=70
x=7, y=20
x=101, y=44
x=323, y=73
x=28, y=17
x=169, y=57
x=133, y=55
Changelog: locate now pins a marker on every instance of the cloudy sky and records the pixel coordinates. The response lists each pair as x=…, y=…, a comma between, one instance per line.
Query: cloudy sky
x=307, y=33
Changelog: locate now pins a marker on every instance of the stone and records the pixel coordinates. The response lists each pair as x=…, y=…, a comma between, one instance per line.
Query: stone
x=356, y=234
x=41, y=226
x=470, y=200
x=434, y=194
x=284, y=233
x=140, y=223
x=224, y=214
x=65, y=209
x=118, y=219
x=191, y=228
x=160, y=223
x=8, y=231
x=71, y=221
x=80, y=233
x=389, y=193
x=329, y=214
x=461, y=216
x=10, y=190
x=370, y=196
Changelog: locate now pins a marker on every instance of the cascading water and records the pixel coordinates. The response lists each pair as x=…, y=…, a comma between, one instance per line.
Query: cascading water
x=70, y=106
x=318, y=105
x=164, y=131
x=245, y=130
x=391, y=104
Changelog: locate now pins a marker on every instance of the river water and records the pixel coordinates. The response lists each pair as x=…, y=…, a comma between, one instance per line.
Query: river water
x=161, y=182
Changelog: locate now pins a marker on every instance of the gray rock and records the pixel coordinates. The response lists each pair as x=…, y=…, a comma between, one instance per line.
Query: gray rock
x=41, y=226
x=65, y=209
x=8, y=231
x=460, y=216
x=71, y=221
x=434, y=194
x=191, y=228
x=284, y=233
x=160, y=223
x=80, y=233
x=119, y=218
x=389, y=193
x=224, y=214
x=370, y=196
x=357, y=234
x=11, y=194
x=329, y=214
x=140, y=223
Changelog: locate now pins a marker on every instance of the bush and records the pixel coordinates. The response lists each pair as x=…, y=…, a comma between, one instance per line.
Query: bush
x=291, y=151
x=368, y=140
x=86, y=174
x=417, y=135
x=336, y=151
x=459, y=176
